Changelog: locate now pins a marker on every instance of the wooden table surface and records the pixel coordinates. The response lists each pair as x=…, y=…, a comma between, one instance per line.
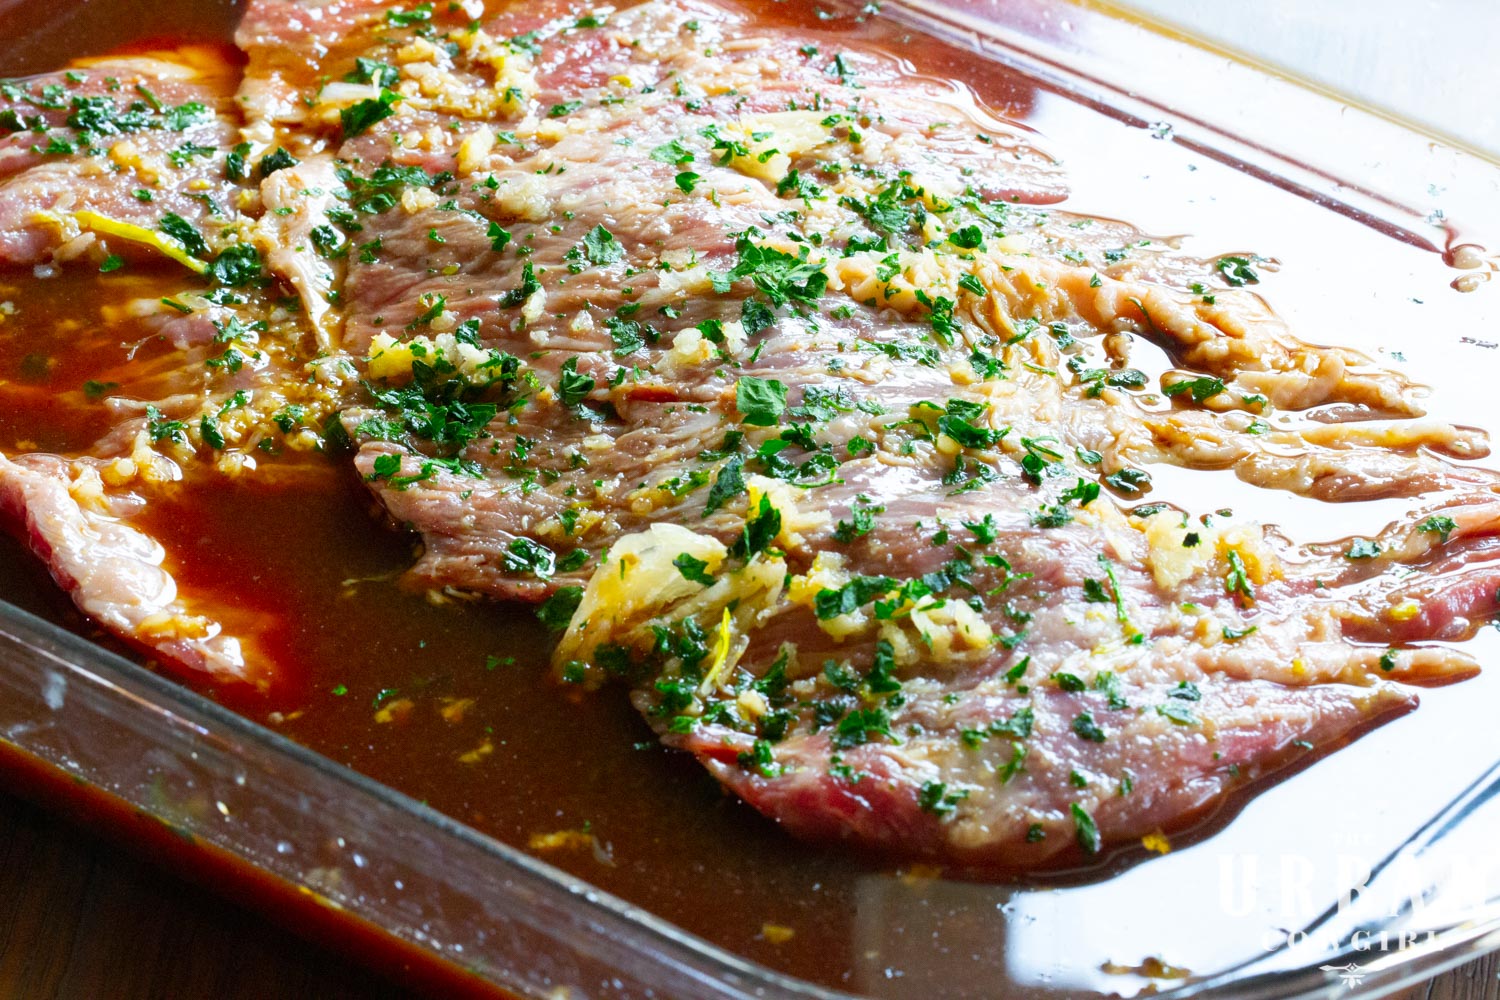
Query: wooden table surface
x=81, y=918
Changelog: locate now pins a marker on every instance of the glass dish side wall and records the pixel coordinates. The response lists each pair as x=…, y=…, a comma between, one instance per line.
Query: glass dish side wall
x=527, y=929
x=352, y=846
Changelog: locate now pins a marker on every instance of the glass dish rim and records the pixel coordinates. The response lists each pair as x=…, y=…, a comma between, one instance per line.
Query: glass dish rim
x=737, y=976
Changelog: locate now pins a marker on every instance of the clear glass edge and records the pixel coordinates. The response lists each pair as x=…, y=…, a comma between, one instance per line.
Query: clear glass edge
x=75, y=706
x=58, y=689
x=1234, y=108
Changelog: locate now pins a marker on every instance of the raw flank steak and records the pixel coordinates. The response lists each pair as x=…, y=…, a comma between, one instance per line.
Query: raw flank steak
x=782, y=386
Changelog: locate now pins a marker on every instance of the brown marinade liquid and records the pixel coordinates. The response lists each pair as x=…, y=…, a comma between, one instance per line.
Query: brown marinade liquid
x=294, y=558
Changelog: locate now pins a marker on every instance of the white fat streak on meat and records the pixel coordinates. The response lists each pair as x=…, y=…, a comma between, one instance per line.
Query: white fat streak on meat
x=1348, y=462
x=297, y=200
x=1237, y=337
x=113, y=571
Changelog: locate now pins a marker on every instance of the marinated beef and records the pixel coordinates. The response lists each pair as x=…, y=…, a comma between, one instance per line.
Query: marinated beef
x=780, y=383
x=112, y=144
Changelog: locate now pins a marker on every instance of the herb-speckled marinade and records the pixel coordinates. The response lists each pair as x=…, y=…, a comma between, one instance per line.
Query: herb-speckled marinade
x=771, y=375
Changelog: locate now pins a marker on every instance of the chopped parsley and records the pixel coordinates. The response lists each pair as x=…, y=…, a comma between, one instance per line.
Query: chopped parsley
x=781, y=277
x=159, y=428
x=728, y=484
x=528, y=287
x=959, y=423
x=599, y=247
x=673, y=152
x=1438, y=524
x=573, y=388
x=184, y=233
x=358, y=117
x=850, y=597
x=628, y=335
x=1085, y=830
x=420, y=14
x=861, y=520
x=761, y=529
x=1236, y=271
x=861, y=726
x=557, y=610
x=373, y=71
x=693, y=569
x=934, y=797
x=523, y=555
x=761, y=402
x=1200, y=388
x=1084, y=727
x=1237, y=580
x=236, y=266
x=276, y=159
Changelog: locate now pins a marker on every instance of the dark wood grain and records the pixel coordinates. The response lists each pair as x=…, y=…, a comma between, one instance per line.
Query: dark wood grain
x=1479, y=980
x=1476, y=981
x=80, y=918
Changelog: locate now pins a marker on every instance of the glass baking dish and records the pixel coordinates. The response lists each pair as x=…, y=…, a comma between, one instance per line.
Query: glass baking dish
x=1373, y=867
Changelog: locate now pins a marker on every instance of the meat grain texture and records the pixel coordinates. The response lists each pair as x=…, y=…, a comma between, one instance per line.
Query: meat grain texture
x=774, y=377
